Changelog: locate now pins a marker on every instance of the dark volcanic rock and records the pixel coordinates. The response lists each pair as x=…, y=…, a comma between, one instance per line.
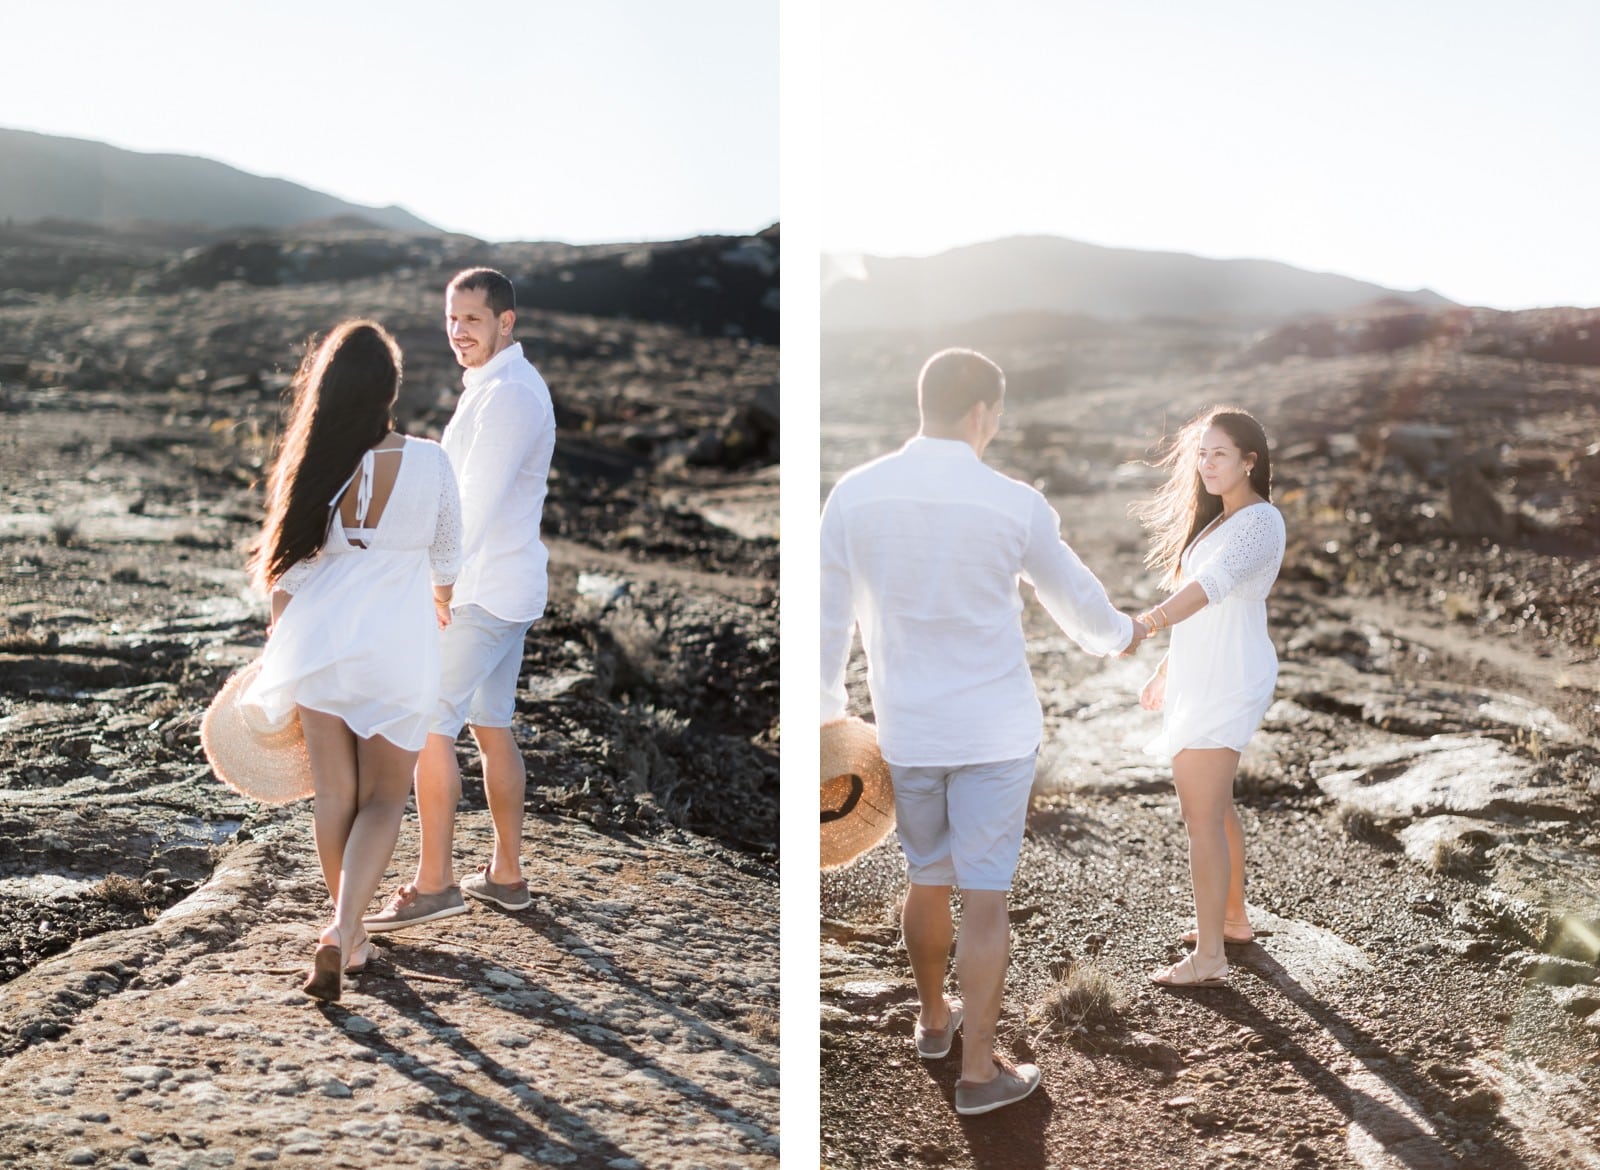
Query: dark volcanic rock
x=717, y=286
x=1474, y=510
x=142, y=424
x=275, y=260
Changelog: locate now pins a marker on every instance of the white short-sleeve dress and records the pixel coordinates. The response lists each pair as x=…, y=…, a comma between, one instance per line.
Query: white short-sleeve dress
x=1221, y=667
x=360, y=639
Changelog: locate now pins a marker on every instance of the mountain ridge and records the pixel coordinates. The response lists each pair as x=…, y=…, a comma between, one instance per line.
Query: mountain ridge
x=49, y=176
x=1053, y=273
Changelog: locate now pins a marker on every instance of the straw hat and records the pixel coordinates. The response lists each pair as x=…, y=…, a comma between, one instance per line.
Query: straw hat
x=857, y=794
x=254, y=759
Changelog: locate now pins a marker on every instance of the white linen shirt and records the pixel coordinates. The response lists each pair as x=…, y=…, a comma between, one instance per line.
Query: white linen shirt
x=500, y=441
x=924, y=549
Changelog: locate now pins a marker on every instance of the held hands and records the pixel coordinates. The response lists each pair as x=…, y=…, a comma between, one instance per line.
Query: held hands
x=1140, y=633
x=1147, y=625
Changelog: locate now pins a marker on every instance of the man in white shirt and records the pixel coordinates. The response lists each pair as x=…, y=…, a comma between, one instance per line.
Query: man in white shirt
x=500, y=442
x=924, y=549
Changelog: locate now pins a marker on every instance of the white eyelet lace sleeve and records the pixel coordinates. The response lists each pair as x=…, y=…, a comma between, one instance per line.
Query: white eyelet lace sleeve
x=295, y=575
x=444, y=554
x=1246, y=558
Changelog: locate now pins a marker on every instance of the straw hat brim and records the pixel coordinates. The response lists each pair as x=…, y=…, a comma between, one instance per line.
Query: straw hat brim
x=857, y=792
x=268, y=764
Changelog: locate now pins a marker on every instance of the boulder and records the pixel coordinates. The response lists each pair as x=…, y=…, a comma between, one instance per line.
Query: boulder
x=1474, y=508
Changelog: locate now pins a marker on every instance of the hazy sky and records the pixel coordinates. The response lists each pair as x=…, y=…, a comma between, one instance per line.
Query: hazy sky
x=1448, y=144
x=535, y=119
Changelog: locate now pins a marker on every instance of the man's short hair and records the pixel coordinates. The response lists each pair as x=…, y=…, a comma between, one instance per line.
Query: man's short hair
x=952, y=380
x=495, y=285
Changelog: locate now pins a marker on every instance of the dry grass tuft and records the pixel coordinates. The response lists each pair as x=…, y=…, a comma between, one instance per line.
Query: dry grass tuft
x=1453, y=857
x=1361, y=825
x=1085, y=997
x=759, y=1024
x=64, y=531
x=121, y=891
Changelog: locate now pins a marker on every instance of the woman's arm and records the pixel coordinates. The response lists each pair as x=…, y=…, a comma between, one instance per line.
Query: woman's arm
x=1185, y=603
x=838, y=611
x=280, y=602
x=1254, y=541
x=1153, y=696
x=444, y=553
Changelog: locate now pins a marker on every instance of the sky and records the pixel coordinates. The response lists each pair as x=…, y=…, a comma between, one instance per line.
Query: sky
x=605, y=120
x=1445, y=144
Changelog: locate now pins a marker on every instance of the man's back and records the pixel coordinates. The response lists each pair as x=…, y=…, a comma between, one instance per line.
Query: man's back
x=925, y=548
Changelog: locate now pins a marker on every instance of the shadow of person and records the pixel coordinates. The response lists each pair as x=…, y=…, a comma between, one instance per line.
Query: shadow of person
x=1386, y=1101
x=514, y=1131
x=574, y=1020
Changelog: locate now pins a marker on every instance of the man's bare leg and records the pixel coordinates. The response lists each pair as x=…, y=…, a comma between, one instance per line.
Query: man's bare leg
x=505, y=785
x=983, y=950
x=928, y=928
x=438, y=794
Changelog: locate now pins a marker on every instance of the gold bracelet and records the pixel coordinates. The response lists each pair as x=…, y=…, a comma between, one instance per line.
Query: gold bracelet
x=1162, y=613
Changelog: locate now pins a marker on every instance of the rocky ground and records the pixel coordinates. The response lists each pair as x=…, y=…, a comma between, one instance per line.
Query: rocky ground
x=628, y=1019
x=154, y=927
x=1421, y=803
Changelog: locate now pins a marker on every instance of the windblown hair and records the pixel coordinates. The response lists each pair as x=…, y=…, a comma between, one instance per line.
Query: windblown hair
x=1181, y=507
x=496, y=287
x=952, y=380
x=342, y=404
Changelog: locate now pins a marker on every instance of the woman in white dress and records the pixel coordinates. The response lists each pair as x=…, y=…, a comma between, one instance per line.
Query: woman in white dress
x=1218, y=542
x=360, y=522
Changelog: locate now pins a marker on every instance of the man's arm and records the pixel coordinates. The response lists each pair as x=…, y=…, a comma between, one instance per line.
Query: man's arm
x=1071, y=594
x=838, y=613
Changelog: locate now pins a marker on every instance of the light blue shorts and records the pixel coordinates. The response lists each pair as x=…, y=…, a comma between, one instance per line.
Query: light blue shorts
x=963, y=825
x=480, y=657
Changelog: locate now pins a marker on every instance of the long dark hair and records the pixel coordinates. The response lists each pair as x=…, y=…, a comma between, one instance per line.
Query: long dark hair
x=1181, y=507
x=342, y=404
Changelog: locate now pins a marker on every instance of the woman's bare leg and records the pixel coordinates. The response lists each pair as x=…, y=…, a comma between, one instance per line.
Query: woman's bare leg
x=384, y=774
x=1236, y=912
x=331, y=746
x=1204, y=779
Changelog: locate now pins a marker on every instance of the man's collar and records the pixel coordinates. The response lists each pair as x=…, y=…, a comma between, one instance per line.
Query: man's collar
x=492, y=367
x=943, y=448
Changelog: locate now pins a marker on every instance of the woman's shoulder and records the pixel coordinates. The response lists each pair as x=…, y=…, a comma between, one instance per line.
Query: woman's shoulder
x=1264, y=514
x=427, y=449
x=1257, y=523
